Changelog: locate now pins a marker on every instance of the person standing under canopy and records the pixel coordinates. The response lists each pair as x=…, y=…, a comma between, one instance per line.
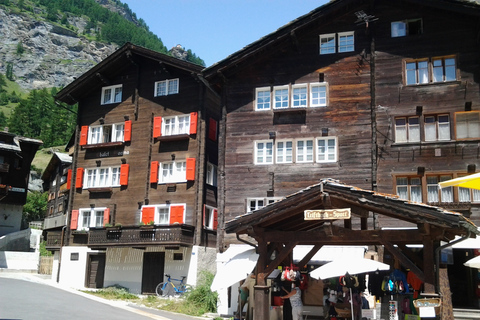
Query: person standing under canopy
x=295, y=297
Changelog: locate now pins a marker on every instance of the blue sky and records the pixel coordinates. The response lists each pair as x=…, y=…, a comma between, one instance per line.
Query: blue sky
x=214, y=29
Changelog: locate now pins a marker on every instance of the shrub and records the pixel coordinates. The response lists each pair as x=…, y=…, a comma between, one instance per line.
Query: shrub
x=201, y=295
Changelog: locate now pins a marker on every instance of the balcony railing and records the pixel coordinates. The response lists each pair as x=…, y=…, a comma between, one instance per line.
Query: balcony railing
x=174, y=235
x=54, y=240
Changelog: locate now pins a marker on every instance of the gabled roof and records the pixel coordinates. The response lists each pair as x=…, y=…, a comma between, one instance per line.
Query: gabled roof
x=12, y=142
x=56, y=160
x=287, y=215
x=325, y=12
x=112, y=64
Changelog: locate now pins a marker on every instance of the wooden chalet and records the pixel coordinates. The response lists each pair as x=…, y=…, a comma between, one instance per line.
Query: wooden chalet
x=382, y=95
x=16, y=155
x=279, y=227
x=143, y=177
x=56, y=183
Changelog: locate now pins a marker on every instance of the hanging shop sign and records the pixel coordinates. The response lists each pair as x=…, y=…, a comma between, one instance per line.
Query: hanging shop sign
x=327, y=214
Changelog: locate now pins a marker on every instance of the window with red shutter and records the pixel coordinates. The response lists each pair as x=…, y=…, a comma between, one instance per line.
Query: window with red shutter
x=176, y=214
x=69, y=179
x=84, y=136
x=148, y=214
x=193, y=122
x=106, y=216
x=154, y=172
x=74, y=220
x=124, y=168
x=212, y=129
x=157, y=127
x=79, y=178
x=127, y=131
x=215, y=219
x=190, y=175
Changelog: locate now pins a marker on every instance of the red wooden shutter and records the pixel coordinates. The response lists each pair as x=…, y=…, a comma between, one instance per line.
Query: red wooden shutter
x=154, y=172
x=193, y=122
x=204, y=220
x=176, y=214
x=212, y=129
x=148, y=214
x=190, y=175
x=79, y=178
x=106, y=216
x=124, y=174
x=127, y=131
x=215, y=219
x=69, y=179
x=74, y=221
x=84, y=136
x=157, y=127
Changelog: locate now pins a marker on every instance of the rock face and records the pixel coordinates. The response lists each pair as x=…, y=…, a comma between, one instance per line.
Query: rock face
x=53, y=55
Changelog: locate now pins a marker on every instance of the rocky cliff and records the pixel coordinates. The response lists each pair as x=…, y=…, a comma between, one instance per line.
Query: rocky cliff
x=53, y=56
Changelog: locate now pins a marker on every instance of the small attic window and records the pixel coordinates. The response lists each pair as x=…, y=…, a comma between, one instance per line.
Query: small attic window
x=406, y=28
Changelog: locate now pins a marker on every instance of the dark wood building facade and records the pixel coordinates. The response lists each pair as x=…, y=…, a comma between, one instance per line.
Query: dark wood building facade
x=144, y=163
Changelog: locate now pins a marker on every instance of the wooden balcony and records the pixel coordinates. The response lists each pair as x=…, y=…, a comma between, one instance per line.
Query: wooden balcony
x=174, y=235
x=54, y=240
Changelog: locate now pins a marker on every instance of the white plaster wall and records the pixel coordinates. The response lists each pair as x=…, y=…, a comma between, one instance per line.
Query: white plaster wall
x=202, y=259
x=72, y=272
x=55, y=265
x=10, y=218
x=19, y=260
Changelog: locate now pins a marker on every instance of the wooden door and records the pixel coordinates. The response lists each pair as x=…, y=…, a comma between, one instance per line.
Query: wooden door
x=153, y=266
x=96, y=270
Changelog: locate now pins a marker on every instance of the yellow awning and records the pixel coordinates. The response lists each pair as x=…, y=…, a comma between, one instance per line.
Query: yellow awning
x=472, y=181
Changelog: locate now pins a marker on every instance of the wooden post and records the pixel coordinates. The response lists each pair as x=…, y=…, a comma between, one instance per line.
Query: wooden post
x=429, y=265
x=261, y=290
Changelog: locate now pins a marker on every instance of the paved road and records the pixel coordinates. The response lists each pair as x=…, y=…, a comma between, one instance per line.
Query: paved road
x=28, y=297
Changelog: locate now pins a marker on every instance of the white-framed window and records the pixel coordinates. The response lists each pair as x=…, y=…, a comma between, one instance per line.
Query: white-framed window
x=106, y=133
x=258, y=203
x=210, y=217
x=341, y=42
x=467, y=125
x=327, y=149
x=346, y=42
x=437, y=194
x=417, y=72
x=164, y=214
x=211, y=174
x=318, y=94
x=176, y=125
x=468, y=195
x=280, y=97
x=111, y=94
x=444, y=69
x=299, y=95
x=173, y=171
x=407, y=129
x=409, y=188
x=90, y=218
x=102, y=177
x=304, y=151
x=264, y=152
x=263, y=98
x=406, y=27
x=327, y=43
x=284, y=151
x=437, y=127
x=166, y=87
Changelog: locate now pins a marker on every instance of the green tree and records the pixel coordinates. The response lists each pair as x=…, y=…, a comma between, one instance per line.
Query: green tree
x=3, y=83
x=3, y=98
x=9, y=71
x=36, y=206
x=3, y=120
x=20, y=49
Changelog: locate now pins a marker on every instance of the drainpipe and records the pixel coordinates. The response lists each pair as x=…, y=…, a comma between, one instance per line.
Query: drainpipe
x=437, y=258
x=60, y=253
x=245, y=241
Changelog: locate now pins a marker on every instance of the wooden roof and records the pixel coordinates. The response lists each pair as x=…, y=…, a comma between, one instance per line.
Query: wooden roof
x=112, y=65
x=286, y=217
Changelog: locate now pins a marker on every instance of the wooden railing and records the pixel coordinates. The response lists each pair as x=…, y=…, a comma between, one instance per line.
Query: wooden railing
x=54, y=240
x=177, y=235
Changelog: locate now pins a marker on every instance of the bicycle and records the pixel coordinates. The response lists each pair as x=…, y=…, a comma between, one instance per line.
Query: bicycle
x=168, y=288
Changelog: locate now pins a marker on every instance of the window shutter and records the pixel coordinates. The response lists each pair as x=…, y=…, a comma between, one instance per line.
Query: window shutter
x=79, y=178
x=193, y=122
x=212, y=129
x=74, y=221
x=127, y=131
x=204, y=220
x=69, y=179
x=124, y=168
x=84, y=136
x=215, y=219
x=148, y=214
x=157, y=127
x=190, y=169
x=106, y=216
x=176, y=214
x=154, y=172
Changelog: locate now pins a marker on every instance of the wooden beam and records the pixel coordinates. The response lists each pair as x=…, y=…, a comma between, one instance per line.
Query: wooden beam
x=404, y=260
x=280, y=257
x=309, y=255
x=410, y=254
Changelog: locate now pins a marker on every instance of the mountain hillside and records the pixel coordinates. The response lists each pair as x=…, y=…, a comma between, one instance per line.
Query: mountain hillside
x=48, y=43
